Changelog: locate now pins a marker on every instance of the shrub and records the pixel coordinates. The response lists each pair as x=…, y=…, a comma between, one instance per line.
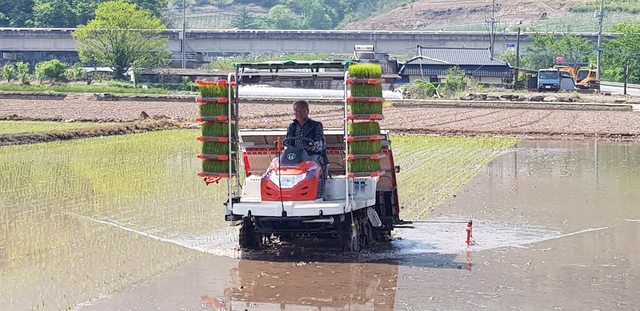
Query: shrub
x=455, y=82
x=419, y=89
x=8, y=72
x=52, y=69
x=74, y=72
x=23, y=72
x=186, y=84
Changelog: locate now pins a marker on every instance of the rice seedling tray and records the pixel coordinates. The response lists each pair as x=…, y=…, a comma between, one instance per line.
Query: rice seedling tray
x=215, y=157
x=213, y=139
x=364, y=128
x=365, y=138
x=362, y=99
x=363, y=81
x=370, y=117
x=221, y=82
x=214, y=119
x=212, y=100
x=215, y=175
x=365, y=174
x=365, y=71
x=375, y=156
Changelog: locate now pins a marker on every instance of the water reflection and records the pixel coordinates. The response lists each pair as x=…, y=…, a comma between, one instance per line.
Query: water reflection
x=573, y=210
x=260, y=285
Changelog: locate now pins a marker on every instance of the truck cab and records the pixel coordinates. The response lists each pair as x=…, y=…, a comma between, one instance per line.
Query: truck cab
x=549, y=79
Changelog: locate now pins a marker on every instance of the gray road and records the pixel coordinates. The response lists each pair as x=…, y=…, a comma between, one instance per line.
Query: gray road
x=633, y=91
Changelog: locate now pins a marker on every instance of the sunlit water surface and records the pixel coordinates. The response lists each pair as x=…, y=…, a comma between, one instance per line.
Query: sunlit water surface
x=117, y=223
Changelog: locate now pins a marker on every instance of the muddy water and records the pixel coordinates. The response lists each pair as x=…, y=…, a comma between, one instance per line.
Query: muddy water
x=556, y=226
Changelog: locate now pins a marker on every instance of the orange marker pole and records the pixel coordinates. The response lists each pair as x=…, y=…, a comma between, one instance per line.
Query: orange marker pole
x=469, y=236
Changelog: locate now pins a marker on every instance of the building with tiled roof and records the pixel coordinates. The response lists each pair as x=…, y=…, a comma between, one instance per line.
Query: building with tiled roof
x=431, y=64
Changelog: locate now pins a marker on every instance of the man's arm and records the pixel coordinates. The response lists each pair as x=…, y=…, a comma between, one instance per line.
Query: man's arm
x=291, y=132
x=319, y=138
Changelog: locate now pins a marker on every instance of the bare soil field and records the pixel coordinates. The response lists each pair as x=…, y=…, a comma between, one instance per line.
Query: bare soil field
x=533, y=120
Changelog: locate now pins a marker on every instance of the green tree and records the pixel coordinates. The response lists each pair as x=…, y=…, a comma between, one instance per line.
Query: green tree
x=541, y=49
x=317, y=14
x=281, y=17
x=621, y=55
x=53, y=13
x=316, y=17
x=156, y=7
x=74, y=72
x=263, y=3
x=419, y=89
x=122, y=36
x=456, y=81
x=244, y=20
x=84, y=11
x=15, y=13
x=575, y=50
x=51, y=69
x=546, y=47
x=8, y=72
x=509, y=56
x=23, y=72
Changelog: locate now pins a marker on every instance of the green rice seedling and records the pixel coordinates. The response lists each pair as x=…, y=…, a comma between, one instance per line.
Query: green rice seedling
x=446, y=163
x=212, y=166
x=363, y=166
x=215, y=148
x=210, y=110
x=217, y=129
x=56, y=213
x=213, y=90
x=366, y=108
x=364, y=90
x=365, y=147
x=364, y=128
x=365, y=71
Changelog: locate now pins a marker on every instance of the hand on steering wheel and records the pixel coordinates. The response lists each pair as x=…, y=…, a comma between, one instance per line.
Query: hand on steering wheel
x=310, y=144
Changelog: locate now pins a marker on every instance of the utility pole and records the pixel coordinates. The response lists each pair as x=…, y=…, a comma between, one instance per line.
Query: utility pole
x=493, y=29
x=184, y=34
x=517, y=71
x=599, y=52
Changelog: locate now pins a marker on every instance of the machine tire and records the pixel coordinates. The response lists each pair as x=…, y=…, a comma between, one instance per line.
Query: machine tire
x=350, y=235
x=248, y=238
x=356, y=237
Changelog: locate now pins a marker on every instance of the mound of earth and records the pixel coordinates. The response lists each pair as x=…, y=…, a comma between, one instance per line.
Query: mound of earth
x=434, y=14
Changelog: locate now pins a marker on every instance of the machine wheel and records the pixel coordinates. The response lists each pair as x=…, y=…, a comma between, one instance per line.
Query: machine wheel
x=349, y=235
x=248, y=238
x=357, y=234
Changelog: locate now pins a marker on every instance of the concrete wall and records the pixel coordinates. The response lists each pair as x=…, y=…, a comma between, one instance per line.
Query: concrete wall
x=231, y=42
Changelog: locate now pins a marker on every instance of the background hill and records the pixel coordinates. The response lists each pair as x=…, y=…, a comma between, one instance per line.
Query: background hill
x=454, y=15
x=562, y=15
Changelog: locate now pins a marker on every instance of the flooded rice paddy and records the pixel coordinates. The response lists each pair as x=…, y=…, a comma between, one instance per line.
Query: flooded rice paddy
x=123, y=223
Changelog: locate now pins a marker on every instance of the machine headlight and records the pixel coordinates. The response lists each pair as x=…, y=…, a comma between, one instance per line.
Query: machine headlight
x=286, y=181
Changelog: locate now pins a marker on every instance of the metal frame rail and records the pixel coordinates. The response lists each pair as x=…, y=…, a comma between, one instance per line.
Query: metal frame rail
x=334, y=69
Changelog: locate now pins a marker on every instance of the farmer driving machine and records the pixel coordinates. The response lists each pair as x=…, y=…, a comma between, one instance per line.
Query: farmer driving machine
x=276, y=191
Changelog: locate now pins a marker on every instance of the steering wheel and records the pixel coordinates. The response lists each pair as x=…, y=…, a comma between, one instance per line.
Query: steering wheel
x=309, y=141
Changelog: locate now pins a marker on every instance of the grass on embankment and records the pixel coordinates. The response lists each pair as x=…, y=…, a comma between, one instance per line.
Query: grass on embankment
x=16, y=127
x=80, y=88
